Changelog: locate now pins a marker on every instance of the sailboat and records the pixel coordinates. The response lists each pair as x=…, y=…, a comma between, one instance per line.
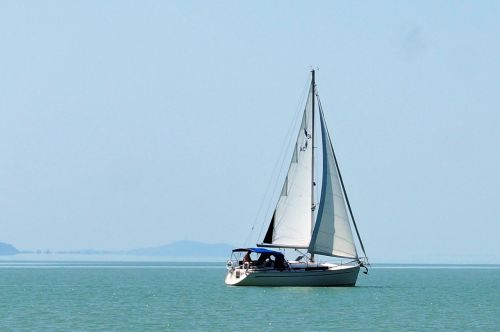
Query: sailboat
x=304, y=224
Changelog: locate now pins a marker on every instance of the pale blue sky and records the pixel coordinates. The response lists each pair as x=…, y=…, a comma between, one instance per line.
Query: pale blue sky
x=132, y=124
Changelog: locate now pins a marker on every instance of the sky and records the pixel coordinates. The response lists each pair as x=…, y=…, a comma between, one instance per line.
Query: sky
x=128, y=124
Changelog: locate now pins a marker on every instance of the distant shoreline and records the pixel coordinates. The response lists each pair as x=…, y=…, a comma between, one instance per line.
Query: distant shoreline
x=57, y=257
x=127, y=258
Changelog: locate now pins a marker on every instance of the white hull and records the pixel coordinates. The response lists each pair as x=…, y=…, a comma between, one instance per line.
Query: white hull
x=340, y=275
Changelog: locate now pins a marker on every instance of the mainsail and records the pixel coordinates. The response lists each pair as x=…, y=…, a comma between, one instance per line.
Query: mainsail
x=290, y=225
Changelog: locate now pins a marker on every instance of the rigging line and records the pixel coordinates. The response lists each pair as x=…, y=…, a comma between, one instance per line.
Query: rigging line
x=342, y=182
x=277, y=177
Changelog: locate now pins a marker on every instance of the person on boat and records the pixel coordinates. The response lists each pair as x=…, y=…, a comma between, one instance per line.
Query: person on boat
x=247, y=260
x=262, y=259
x=269, y=262
x=265, y=260
x=279, y=263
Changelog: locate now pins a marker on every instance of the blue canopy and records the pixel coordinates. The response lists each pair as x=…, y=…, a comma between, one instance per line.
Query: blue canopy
x=261, y=251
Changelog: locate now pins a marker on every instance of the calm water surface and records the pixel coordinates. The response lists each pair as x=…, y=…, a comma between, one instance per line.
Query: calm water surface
x=63, y=296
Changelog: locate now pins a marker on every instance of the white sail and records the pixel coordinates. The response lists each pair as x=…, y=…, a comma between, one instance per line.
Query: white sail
x=291, y=222
x=290, y=225
x=332, y=235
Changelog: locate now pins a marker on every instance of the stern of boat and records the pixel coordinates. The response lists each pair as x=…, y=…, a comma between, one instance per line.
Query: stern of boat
x=235, y=276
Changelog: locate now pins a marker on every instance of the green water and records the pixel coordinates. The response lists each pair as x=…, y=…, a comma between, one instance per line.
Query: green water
x=188, y=296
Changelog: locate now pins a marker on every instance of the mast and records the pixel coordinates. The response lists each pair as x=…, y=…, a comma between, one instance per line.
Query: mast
x=313, y=88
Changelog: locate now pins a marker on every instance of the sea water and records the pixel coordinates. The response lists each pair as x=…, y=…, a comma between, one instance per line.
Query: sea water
x=104, y=296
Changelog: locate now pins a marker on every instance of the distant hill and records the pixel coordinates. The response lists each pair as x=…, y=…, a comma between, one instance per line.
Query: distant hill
x=8, y=249
x=185, y=249
x=180, y=249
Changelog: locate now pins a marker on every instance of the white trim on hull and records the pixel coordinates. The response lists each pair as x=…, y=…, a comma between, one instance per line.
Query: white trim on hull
x=342, y=275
